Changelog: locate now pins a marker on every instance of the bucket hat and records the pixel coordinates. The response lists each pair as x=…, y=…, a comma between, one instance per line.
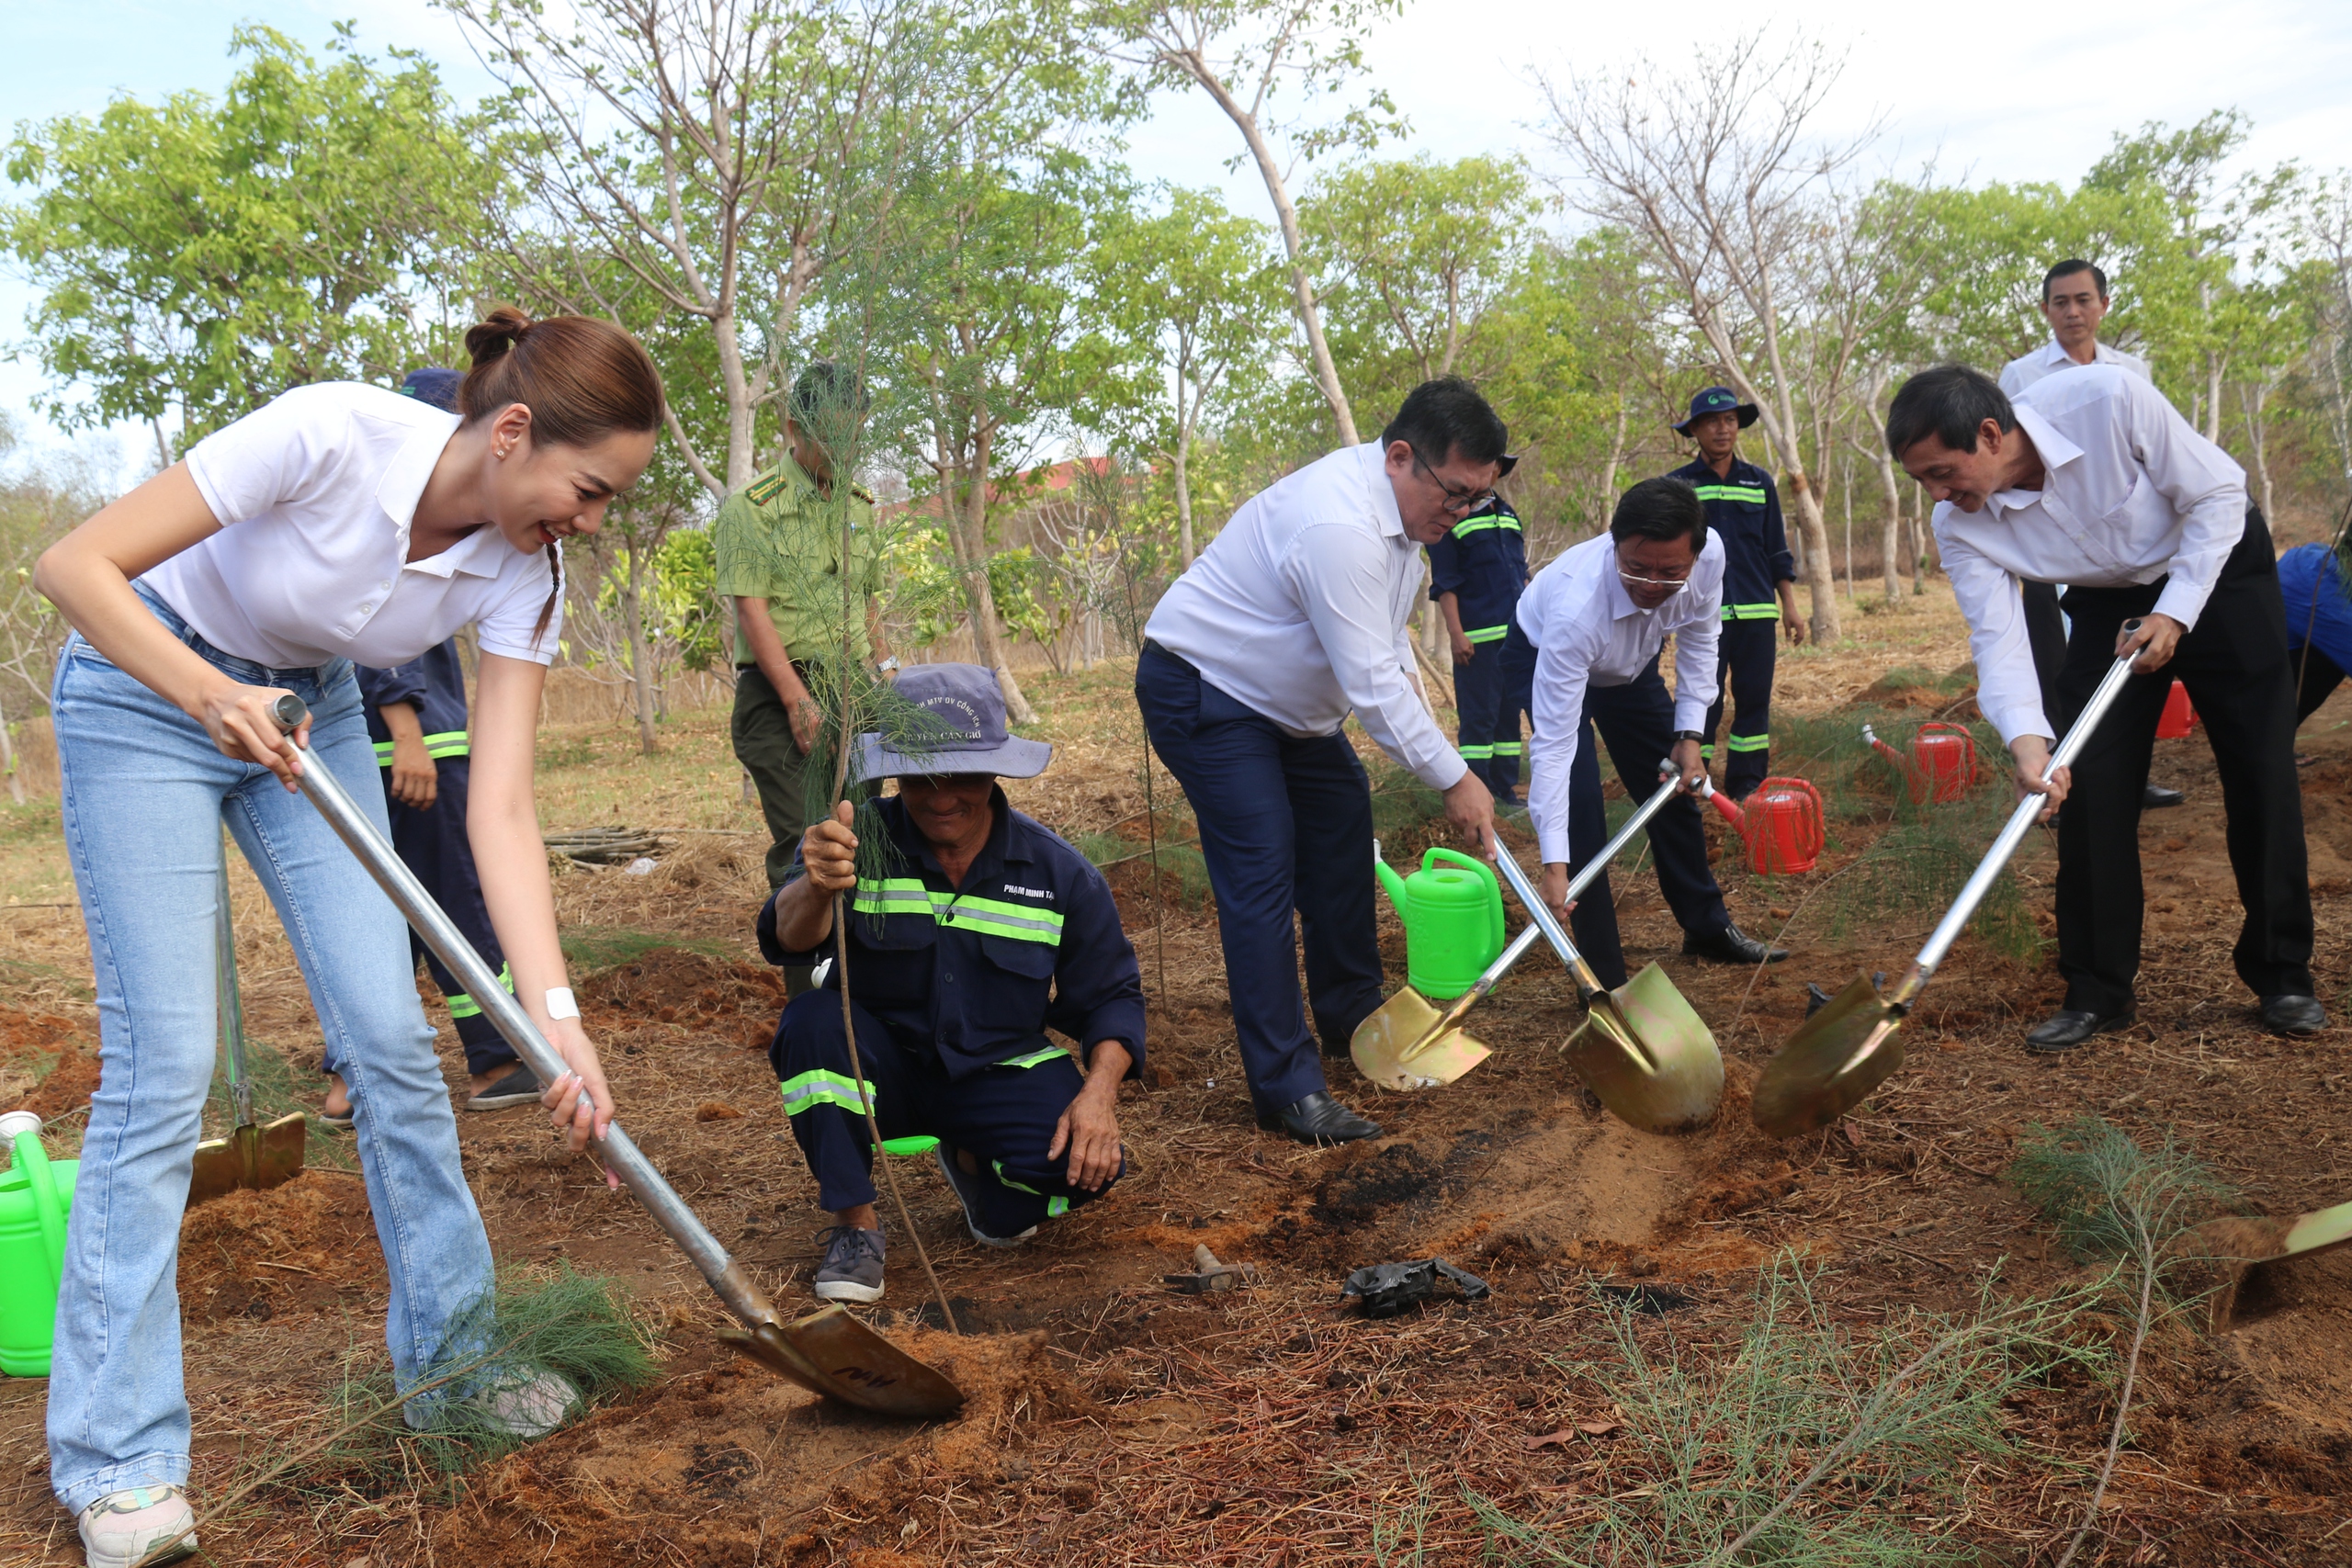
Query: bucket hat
x=437, y=386
x=971, y=737
x=1716, y=400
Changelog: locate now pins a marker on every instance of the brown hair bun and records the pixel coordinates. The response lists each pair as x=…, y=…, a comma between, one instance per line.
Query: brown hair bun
x=582, y=378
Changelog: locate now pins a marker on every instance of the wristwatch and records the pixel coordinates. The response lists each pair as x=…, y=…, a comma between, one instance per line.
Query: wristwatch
x=1689, y=734
x=887, y=665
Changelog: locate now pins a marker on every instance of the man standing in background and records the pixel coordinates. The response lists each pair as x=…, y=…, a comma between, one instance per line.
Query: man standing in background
x=1476, y=574
x=2074, y=301
x=1759, y=581
x=778, y=548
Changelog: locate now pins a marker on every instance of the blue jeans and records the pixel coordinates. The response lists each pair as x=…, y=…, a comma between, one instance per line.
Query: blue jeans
x=145, y=792
x=1285, y=825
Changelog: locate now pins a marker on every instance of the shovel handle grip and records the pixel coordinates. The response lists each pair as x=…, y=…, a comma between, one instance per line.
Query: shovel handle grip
x=357, y=832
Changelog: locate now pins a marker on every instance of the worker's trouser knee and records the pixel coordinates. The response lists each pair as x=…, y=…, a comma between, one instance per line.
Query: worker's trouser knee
x=1003, y=1116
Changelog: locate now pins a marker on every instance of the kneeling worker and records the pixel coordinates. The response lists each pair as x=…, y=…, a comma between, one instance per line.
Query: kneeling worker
x=982, y=929
x=1598, y=616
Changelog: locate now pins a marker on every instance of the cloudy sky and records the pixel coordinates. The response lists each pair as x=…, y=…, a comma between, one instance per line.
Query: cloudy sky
x=2037, y=100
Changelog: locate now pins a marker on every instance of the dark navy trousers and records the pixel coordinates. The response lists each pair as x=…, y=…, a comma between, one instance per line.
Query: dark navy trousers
x=1744, y=657
x=1004, y=1116
x=1489, y=694
x=1636, y=723
x=1285, y=826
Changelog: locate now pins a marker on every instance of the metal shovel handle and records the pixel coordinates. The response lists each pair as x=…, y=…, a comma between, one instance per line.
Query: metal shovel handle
x=2079, y=735
x=231, y=1006
x=735, y=1288
x=1542, y=919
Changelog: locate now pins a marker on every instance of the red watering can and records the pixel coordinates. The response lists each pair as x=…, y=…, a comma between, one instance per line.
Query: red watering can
x=1782, y=823
x=1942, y=764
x=2179, y=716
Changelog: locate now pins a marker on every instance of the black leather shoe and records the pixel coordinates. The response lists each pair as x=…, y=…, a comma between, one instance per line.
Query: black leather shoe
x=1730, y=945
x=2289, y=1014
x=2068, y=1027
x=2156, y=797
x=1320, y=1119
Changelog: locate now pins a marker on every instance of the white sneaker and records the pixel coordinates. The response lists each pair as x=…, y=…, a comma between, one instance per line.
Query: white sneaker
x=524, y=1403
x=143, y=1525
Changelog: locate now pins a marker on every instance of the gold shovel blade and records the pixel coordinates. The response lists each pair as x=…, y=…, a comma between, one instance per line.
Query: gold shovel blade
x=1648, y=1057
x=832, y=1352
x=1395, y=1049
x=258, y=1157
x=1831, y=1064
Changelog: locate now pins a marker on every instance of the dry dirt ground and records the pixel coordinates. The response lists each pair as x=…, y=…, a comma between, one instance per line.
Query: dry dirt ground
x=1112, y=1421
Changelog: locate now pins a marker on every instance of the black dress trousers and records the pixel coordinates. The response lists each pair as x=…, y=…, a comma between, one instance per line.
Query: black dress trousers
x=2235, y=666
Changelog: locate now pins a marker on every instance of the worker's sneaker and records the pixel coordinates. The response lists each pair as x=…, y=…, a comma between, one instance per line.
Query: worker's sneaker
x=852, y=1270
x=146, y=1525
x=520, y=1087
x=966, y=1188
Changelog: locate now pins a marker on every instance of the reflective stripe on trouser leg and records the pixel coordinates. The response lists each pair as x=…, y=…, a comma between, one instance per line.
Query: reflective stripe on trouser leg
x=810, y=1055
x=1004, y=1118
x=1748, y=655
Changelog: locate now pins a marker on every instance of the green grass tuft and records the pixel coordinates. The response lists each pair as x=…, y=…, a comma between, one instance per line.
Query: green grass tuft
x=587, y=949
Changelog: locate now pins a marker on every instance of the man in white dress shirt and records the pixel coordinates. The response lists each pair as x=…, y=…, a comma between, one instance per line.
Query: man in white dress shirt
x=1599, y=615
x=2092, y=480
x=2074, y=301
x=1292, y=619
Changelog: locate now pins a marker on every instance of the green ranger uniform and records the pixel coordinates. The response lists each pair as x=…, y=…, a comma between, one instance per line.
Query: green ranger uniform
x=778, y=539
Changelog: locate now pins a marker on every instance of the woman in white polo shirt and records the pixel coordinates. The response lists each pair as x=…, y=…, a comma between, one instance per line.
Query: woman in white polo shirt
x=341, y=524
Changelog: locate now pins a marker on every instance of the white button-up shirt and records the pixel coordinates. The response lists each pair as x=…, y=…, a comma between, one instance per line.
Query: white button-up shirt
x=2130, y=493
x=1297, y=608
x=1588, y=632
x=2049, y=359
x=314, y=493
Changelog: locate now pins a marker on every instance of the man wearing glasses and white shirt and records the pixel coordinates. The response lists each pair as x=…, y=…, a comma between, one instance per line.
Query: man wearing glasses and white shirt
x=1293, y=618
x=2074, y=301
x=1599, y=615
x=2092, y=480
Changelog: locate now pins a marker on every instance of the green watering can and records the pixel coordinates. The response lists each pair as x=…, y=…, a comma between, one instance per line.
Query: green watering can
x=36, y=1194
x=1453, y=910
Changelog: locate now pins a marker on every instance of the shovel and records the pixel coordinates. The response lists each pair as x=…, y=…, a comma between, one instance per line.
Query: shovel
x=1842, y=1052
x=828, y=1352
x=1641, y=1048
x=2231, y=1247
x=250, y=1156
x=1407, y=1043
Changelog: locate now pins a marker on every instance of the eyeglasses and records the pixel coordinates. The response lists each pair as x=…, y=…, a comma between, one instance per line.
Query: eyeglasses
x=1670, y=584
x=1458, y=501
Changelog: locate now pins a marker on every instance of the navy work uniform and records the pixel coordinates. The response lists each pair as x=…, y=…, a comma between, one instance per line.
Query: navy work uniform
x=953, y=991
x=1744, y=512
x=433, y=843
x=1482, y=563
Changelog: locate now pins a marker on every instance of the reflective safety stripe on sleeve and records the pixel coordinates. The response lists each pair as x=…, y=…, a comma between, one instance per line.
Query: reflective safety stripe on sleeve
x=1476, y=753
x=448, y=743
x=1770, y=612
x=1509, y=749
x=822, y=1087
x=1487, y=634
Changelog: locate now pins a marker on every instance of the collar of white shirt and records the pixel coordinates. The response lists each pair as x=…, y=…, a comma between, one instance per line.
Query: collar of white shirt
x=403, y=486
x=1383, y=494
x=2055, y=451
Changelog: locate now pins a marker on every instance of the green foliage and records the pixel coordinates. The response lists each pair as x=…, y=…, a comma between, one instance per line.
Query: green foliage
x=202, y=257
x=588, y=950
x=689, y=610
x=2107, y=1196
x=1807, y=1441
x=538, y=1319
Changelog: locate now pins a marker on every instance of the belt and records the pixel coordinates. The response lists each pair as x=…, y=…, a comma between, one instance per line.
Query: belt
x=1165, y=652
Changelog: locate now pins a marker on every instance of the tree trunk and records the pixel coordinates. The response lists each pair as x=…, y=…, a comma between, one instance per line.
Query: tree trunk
x=2258, y=426
x=1183, y=459
x=1891, y=536
x=967, y=533
x=8, y=763
x=1310, y=315
x=640, y=656
x=1609, y=474
x=1918, y=553
x=1818, y=568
